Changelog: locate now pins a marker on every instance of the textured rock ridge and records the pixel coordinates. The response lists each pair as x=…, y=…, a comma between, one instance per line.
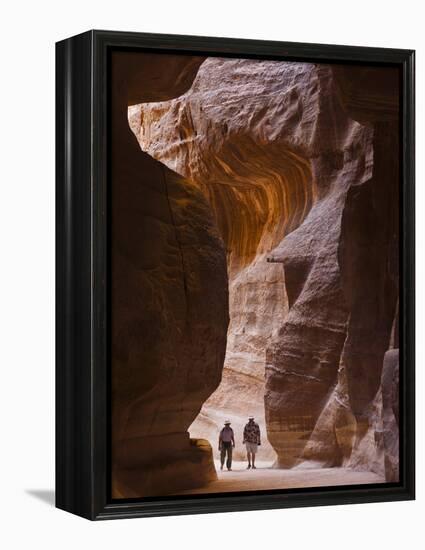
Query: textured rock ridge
x=292, y=159
x=369, y=259
x=169, y=299
x=360, y=415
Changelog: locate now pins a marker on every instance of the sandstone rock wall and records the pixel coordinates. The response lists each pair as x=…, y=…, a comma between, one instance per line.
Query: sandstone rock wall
x=169, y=298
x=369, y=259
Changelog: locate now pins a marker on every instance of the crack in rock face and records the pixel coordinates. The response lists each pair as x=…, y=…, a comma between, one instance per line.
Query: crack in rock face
x=290, y=160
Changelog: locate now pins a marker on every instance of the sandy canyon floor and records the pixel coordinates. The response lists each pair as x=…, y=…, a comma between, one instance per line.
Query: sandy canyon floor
x=265, y=477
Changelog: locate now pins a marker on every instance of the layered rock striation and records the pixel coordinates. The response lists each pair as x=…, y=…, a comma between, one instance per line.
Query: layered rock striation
x=297, y=163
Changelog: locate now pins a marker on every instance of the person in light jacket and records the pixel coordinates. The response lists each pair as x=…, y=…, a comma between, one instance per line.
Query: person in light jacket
x=251, y=439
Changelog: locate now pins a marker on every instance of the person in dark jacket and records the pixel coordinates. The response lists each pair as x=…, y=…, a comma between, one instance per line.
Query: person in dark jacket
x=226, y=443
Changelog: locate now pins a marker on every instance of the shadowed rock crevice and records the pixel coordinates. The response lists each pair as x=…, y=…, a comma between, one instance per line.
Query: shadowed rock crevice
x=296, y=274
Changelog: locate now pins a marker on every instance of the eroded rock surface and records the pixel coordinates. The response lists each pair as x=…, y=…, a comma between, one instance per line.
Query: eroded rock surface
x=369, y=258
x=291, y=158
x=169, y=298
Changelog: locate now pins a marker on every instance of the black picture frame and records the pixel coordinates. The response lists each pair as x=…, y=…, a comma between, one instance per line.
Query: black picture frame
x=82, y=421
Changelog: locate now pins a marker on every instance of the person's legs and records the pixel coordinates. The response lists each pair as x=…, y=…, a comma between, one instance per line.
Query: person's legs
x=229, y=458
x=248, y=455
x=222, y=456
x=253, y=460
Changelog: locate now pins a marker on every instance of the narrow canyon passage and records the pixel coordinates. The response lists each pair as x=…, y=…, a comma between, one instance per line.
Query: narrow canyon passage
x=252, y=214
x=267, y=194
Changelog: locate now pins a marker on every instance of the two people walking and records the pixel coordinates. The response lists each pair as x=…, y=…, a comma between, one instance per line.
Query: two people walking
x=251, y=440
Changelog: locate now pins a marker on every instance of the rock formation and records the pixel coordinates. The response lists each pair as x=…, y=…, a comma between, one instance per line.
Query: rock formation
x=369, y=259
x=298, y=164
x=169, y=297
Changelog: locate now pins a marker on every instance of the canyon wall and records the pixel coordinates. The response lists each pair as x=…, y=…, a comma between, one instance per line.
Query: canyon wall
x=369, y=260
x=169, y=294
x=298, y=163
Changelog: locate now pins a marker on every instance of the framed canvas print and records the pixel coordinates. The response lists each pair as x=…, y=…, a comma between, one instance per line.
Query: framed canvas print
x=235, y=274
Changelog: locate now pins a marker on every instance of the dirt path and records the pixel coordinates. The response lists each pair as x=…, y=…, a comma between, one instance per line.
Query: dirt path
x=264, y=477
